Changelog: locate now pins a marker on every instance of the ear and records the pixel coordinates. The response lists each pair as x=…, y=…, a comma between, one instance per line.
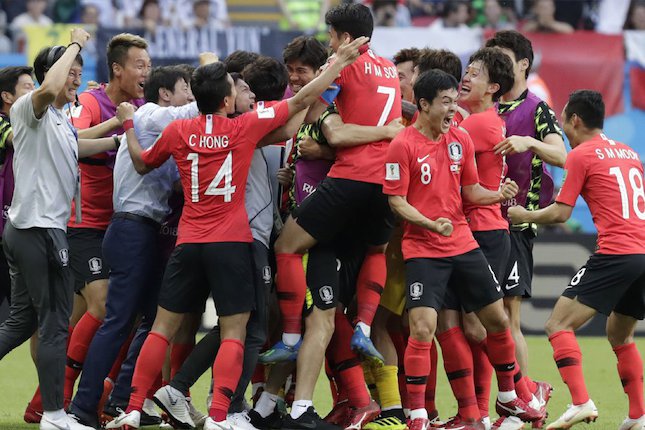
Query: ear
x=346, y=37
x=7, y=97
x=524, y=64
x=164, y=94
x=493, y=88
x=117, y=69
x=425, y=106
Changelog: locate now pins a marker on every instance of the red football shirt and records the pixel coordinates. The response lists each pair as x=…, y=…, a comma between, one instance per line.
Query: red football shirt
x=609, y=175
x=370, y=94
x=430, y=175
x=213, y=155
x=486, y=129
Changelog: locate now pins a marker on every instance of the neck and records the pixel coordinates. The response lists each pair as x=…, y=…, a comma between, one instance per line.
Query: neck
x=587, y=134
x=116, y=94
x=59, y=103
x=478, y=106
x=518, y=88
x=428, y=131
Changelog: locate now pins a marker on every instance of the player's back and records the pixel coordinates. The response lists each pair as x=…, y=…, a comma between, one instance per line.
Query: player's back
x=615, y=193
x=369, y=95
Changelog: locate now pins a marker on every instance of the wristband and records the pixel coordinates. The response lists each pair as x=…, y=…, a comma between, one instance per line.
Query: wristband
x=117, y=141
x=80, y=48
x=128, y=124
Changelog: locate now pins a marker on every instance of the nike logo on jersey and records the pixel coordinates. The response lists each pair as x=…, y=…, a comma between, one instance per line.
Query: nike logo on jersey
x=421, y=160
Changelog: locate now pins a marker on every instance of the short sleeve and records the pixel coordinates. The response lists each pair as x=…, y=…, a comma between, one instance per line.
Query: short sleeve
x=87, y=114
x=574, y=179
x=545, y=121
x=469, y=175
x=161, y=150
x=397, y=169
x=263, y=120
x=23, y=110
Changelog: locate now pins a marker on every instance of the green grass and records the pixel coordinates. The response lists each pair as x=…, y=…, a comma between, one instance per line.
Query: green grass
x=18, y=381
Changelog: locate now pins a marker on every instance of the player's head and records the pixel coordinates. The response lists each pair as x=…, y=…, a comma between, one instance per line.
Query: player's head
x=348, y=21
x=213, y=89
x=303, y=56
x=436, y=94
x=404, y=61
x=128, y=63
x=46, y=58
x=489, y=75
x=245, y=100
x=167, y=86
x=188, y=69
x=267, y=78
x=441, y=59
x=236, y=61
x=583, y=113
x=517, y=47
x=14, y=83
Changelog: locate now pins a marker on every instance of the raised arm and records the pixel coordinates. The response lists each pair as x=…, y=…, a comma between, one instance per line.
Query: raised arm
x=56, y=76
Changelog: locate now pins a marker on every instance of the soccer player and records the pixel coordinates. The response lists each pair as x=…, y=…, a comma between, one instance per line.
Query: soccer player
x=141, y=204
x=426, y=166
x=534, y=138
x=213, y=251
x=609, y=176
x=46, y=151
x=14, y=83
x=128, y=65
x=404, y=61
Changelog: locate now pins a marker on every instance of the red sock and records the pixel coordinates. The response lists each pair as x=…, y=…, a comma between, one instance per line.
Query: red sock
x=291, y=285
x=521, y=388
x=568, y=358
x=431, y=385
x=482, y=375
x=178, y=354
x=532, y=386
x=346, y=364
x=79, y=343
x=458, y=362
x=147, y=369
x=258, y=374
x=158, y=383
x=501, y=353
x=369, y=286
x=630, y=370
x=227, y=369
x=123, y=353
x=417, y=368
x=400, y=344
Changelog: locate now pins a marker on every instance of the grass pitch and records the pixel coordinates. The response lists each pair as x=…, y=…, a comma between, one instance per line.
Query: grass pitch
x=18, y=381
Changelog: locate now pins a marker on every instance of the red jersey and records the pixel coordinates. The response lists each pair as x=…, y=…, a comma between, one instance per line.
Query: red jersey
x=430, y=175
x=213, y=155
x=609, y=175
x=370, y=94
x=486, y=129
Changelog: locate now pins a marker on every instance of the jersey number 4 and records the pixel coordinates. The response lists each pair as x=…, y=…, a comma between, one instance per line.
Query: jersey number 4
x=225, y=173
x=638, y=192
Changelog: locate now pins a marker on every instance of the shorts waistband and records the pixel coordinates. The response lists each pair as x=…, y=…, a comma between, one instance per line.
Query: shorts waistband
x=137, y=218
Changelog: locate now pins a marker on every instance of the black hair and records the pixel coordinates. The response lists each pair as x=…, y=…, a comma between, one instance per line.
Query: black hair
x=9, y=78
x=238, y=60
x=307, y=49
x=162, y=77
x=267, y=78
x=47, y=57
x=441, y=59
x=118, y=48
x=210, y=86
x=236, y=77
x=430, y=83
x=405, y=55
x=352, y=18
x=516, y=42
x=589, y=107
x=499, y=68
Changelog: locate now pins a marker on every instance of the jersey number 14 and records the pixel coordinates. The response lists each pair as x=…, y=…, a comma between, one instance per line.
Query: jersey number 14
x=225, y=174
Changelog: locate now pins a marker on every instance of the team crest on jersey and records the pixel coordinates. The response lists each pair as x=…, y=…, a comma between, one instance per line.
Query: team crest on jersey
x=96, y=265
x=327, y=294
x=416, y=290
x=455, y=151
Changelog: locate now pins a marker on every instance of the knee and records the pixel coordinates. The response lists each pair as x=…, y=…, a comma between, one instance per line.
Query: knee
x=474, y=333
x=496, y=325
x=553, y=326
x=422, y=329
x=321, y=324
x=617, y=338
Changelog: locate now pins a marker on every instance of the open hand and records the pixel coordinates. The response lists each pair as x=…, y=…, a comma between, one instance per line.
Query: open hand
x=347, y=52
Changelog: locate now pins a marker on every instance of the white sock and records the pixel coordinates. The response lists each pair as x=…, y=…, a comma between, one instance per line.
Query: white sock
x=55, y=415
x=406, y=412
x=299, y=407
x=290, y=339
x=418, y=413
x=391, y=408
x=367, y=330
x=266, y=404
x=506, y=396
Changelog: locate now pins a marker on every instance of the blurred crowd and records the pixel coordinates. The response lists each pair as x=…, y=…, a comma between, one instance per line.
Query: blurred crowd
x=558, y=16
